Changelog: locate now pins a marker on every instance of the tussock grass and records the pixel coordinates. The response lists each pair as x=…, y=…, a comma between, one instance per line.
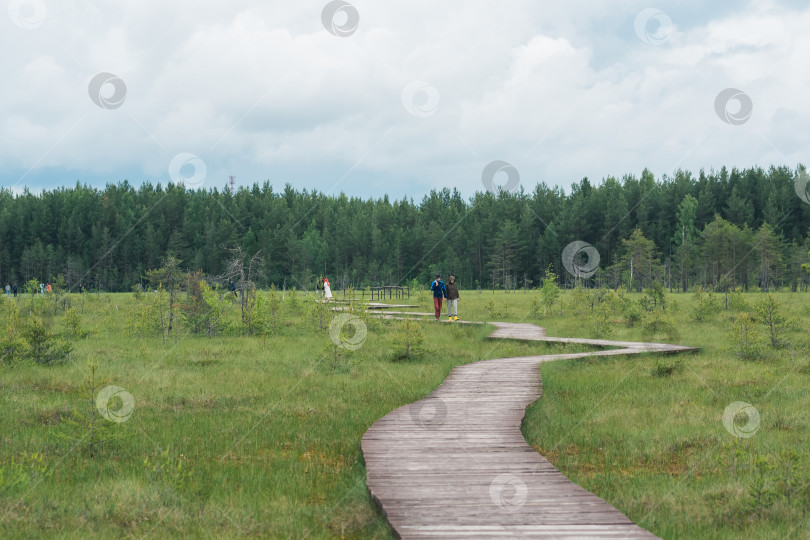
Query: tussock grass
x=260, y=436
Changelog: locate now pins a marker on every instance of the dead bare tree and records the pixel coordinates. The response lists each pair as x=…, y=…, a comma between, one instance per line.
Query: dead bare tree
x=243, y=271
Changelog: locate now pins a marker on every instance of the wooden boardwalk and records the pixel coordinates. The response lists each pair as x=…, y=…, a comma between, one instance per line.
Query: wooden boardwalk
x=455, y=464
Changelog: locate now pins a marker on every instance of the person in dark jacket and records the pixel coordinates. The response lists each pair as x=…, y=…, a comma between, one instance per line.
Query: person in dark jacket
x=439, y=292
x=452, y=299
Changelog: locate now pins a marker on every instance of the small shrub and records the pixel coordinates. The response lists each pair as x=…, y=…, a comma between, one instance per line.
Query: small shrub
x=73, y=325
x=705, y=305
x=578, y=301
x=408, y=340
x=603, y=304
x=550, y=292
x=91, y=430
x=632, y=315
x=761, y=490
x=737, y=302
x=31, y=286
x=273, y=308
x=654, y=297
x=203, y=308
x=43, y=347
x=137, y=290
x=787, y=467
x=745, y=342
x=771, y=312
x=13, y=348
x=318, y=315
x=534, y=310
x=148, y=318
x=293, y=303
x=665, y=367
x=493, y=312
x=168, y=469
x=266, y=316
x=19, y=474
x=658, y=326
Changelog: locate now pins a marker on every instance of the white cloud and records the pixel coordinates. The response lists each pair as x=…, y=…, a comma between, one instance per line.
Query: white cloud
x=262, y=90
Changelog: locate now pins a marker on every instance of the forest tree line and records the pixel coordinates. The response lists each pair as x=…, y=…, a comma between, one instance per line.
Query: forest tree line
x=718, y=229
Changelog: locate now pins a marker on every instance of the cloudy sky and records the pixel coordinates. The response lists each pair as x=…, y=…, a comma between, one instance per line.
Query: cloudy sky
x=378, y=97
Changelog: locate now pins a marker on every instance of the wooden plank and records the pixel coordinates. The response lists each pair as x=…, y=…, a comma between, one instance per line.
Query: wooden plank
x=455, y=464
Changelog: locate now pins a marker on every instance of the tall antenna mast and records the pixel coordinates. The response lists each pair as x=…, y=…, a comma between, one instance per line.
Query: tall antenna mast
x=232, y=182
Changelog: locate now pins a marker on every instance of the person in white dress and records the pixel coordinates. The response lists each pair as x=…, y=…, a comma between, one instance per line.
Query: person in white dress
x=327, y=290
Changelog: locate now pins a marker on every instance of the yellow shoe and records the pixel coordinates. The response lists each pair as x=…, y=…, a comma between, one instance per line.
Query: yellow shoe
x=450, y=319
x=456, y=318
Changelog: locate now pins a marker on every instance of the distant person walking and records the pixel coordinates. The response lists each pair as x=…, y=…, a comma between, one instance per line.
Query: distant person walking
x=452, y=299
x=327, y=290
x=319, y=288
x=232, y=288
x=14, y=290
x=48, y=288
x=439, y=292
x=8, y=289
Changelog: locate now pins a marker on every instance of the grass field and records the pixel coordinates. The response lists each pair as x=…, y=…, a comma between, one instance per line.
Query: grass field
x=259, y=436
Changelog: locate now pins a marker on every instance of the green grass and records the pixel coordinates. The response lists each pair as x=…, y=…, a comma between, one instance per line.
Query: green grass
x=268, y=431
x=646, y=432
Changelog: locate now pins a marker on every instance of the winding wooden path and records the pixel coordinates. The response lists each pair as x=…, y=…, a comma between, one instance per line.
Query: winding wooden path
x=455, y=464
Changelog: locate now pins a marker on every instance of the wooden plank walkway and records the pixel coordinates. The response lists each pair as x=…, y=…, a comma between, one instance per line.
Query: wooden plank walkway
x=455, y=464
